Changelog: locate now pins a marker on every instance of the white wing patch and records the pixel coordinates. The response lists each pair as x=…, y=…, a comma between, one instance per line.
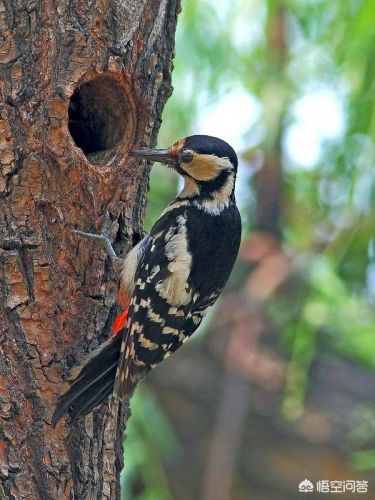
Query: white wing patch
x=146, y=343
x=154, y=317
x=130, y=265
x=174, y=289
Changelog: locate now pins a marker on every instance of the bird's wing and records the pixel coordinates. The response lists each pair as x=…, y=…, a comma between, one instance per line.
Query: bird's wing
x=161, y=313
x=126, y=288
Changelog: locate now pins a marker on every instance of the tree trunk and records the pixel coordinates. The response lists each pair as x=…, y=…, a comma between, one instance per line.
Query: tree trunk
x=81, y=83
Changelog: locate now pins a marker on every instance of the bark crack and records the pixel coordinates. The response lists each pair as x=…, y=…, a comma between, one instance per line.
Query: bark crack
x=57, y=295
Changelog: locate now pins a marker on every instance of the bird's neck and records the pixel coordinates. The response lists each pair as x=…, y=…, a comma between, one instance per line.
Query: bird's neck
x=212, y=196
x=190, y=189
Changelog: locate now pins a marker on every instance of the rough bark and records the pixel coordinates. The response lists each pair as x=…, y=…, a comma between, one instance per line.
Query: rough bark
x=93, y=74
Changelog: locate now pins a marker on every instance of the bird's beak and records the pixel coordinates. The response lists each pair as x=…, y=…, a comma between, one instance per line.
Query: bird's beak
x=160, y=155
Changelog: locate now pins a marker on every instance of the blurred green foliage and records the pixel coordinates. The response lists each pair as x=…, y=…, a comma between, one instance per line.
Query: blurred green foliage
x=150, y=439
x=296, y=60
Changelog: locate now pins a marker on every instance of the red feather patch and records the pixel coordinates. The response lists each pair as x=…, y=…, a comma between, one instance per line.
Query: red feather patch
x=120, y=322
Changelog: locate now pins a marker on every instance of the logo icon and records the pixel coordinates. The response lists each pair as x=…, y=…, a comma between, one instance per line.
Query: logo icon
x=306, y=486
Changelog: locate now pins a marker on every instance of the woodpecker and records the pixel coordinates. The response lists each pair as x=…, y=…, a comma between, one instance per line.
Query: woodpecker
x=169, y=279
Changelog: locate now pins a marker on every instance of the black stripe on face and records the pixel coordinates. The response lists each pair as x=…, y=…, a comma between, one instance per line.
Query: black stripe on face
x=209, y=187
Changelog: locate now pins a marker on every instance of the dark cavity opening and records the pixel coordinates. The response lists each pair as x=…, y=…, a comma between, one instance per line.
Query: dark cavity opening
x=97, y=112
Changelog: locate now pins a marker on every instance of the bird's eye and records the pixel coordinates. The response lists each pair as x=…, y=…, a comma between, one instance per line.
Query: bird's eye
x=185, y=157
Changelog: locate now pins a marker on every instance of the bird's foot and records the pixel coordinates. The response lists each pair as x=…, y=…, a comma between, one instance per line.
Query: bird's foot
x=102, y=239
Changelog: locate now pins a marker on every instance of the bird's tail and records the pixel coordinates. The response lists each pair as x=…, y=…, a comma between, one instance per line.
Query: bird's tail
x=91, y=382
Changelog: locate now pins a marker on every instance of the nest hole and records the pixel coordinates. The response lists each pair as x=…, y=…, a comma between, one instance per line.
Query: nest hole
x=96, y=115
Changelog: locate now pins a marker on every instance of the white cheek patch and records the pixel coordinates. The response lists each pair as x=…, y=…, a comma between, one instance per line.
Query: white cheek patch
x=206, y=167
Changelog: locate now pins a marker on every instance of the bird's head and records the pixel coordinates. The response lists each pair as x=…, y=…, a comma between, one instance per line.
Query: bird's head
x=207, y=164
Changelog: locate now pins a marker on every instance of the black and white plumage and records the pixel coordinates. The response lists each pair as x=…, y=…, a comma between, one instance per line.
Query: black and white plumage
x=173, y=276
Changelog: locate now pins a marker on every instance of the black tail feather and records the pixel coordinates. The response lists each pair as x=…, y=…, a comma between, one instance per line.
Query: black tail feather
x=87, y=403
x=91, y=383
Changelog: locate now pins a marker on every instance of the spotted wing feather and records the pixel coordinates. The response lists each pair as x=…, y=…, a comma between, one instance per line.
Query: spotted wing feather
x=161, y=302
